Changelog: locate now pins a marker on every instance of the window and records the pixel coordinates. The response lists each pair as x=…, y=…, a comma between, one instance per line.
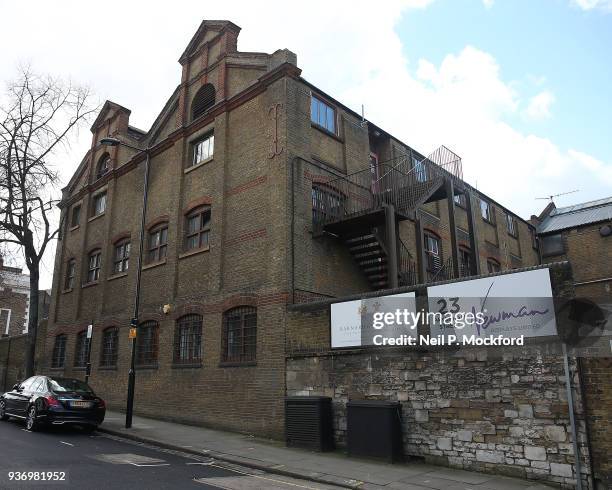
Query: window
x=511, y=224
x=70, y=274
x=322, y=114
x=534, y=238
x=146, y=344
x=460, y=200
x=203, y=149
x=59, y=352
x=240, y=334
x=122, y=257
x=493, y=266
x=486, y=211
x=158, y=243
x=110, y=347
x=432, y=252
x=99, y=204
x=5, y=320
x=103, y=166
x=204, y=99
x=552, y=245
x=80, y=350
x=327, y=203
x=76, y=216
x=93, y=269
x=188, y=340
x=420, y=171
x=198, y=228
x=465, y=262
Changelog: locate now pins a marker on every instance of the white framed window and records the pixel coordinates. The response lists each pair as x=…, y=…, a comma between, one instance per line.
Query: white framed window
x=323, y=114
x=5, y=320
x=99, y=204
x=203, y=149
x=486, y=211
x=511, y=224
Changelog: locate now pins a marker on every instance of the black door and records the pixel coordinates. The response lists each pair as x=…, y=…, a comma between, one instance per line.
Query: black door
x=23, y=395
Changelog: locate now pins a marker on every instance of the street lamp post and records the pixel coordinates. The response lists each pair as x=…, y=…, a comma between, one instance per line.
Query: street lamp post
x=134, y=321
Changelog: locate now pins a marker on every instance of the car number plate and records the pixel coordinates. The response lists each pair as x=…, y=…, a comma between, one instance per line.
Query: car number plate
x=80, y=404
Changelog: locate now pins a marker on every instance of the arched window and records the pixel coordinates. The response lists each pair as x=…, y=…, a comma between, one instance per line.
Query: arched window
x=147, y=343
x=239, y=335
x=110, y=347
x=80, y=350
x=103, y=165
x=121, y=257
x=204, y=99
x=59, y=351
x=158, y=243
x=188, y=340
x=197, y=229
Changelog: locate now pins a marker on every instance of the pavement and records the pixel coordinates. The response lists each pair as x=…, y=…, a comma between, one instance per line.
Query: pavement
x=331, y=468
x=64, y=457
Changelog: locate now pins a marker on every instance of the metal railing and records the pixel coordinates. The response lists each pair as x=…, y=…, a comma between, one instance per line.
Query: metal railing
x=408, y=270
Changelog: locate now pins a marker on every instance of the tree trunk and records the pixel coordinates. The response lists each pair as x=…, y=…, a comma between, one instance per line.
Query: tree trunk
x=30, y=361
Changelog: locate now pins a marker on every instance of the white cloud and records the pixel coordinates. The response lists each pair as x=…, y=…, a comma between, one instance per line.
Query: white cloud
x=605, y=5
x=488, y=3
x=129, y=54
x=539, y=105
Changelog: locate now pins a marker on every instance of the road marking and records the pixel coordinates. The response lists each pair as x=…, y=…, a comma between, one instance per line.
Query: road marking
x=144, y=465
x=203, y=480
x=67, y=443
x=203, y=464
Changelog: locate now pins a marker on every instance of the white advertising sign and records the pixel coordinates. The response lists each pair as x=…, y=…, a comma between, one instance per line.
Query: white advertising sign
x=511, y=305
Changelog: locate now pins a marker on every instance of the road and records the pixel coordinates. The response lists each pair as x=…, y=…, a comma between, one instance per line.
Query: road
x=103, y=461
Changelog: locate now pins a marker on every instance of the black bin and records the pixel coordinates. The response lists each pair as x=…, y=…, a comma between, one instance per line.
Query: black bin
x=374, y=429
x=308, y=422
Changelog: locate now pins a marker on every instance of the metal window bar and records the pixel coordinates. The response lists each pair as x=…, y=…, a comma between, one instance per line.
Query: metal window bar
x=80, y=354
x=110, y=347
x=59, y=352
x=240, y=334
x=188, y=340
x=147, y=343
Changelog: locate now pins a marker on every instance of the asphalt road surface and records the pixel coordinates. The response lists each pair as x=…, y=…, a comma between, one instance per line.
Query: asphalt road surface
x=100, y=461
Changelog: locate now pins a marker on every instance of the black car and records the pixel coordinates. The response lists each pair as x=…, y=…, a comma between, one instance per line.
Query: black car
x=50, y=400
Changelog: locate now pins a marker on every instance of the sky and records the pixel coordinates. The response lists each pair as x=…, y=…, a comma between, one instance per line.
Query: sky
x=520, y=89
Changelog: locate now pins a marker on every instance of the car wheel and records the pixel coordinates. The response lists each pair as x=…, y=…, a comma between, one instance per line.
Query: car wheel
x=3, y=415
x=31, y=422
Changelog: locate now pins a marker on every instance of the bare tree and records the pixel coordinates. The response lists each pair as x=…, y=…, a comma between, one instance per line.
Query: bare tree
x=37, y=117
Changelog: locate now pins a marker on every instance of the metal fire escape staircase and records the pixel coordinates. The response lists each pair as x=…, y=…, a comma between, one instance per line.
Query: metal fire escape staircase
x=360, y=209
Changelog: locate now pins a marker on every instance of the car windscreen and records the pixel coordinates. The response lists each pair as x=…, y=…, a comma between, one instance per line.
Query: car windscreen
x=60, y=385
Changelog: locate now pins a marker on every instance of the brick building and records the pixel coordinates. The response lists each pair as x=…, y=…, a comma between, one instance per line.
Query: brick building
x=14, y=300
x=582, y=234
x=263, y=192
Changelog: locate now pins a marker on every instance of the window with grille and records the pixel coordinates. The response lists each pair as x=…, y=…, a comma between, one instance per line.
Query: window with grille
x=147, y=343
x=493, y=266
x=188, y=340
x=99, y=204
x=322, y=114
x=198, y=228
x=70, y=274
x=465, y=262
x=80, y=350
x=76, y=216
x=59, y=352
x=103, y=166
x=158, y=243
x=432, y=252
x=204, y=99
x=110, y=347
x=327, y=203
x=93, y=268
x=122, y=257
x=203, y=150
x=240, y=335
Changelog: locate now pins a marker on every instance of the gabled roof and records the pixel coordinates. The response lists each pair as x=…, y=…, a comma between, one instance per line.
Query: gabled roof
x=108, y=105
x=206, y=25
x=577, y=215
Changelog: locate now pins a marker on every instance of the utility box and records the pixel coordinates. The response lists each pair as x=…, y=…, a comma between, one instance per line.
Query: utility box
x=308, y=422
x=374, y=430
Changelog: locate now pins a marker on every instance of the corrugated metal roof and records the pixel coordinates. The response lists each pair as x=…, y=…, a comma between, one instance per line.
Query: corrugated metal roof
x=577, y=215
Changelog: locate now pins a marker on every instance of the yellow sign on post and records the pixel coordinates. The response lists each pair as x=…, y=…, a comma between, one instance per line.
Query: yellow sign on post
x=132, y=333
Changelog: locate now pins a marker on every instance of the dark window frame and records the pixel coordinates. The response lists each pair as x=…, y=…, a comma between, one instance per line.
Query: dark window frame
x=147, y=344
x=158, y=251
x=493, y=265
x=465, y=261
x=93, y=272
x=187, y=347
x=490, y=214
x=109, y=347
x=550, y=249
x=197, y=238
x=58, y=357
x=121, y=256
x=432, y=265
x=239, y=339
x=511, y=225
x=97, y=198
x=103, y=166
x=460, y=200
x=203, y=100
x=316, y=103
x=75, y=216
x=80, y=350
x=70, y=274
